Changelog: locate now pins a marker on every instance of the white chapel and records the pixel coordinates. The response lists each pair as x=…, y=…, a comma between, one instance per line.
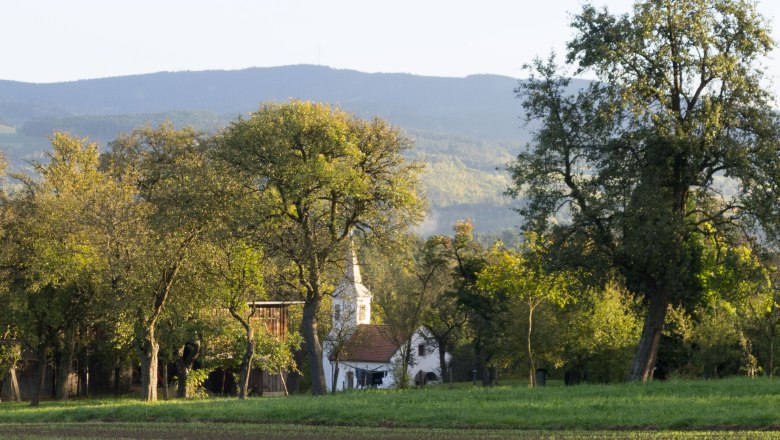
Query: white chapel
x=358, y=354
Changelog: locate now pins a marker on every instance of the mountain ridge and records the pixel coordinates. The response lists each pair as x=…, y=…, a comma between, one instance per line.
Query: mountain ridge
x=487, y=100
x=466, y=128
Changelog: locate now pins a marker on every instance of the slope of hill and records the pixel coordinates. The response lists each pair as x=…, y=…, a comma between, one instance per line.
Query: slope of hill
x=481, y=106
x=466, y=129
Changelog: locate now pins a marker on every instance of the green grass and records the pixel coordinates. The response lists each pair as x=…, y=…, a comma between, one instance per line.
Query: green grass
x=723, y=405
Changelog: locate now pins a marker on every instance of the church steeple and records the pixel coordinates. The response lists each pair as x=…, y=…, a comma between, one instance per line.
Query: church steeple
x=352, y=268
x=351, y=299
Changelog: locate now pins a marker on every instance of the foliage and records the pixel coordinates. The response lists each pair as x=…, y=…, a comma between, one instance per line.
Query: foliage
x=275, y=354
x=10, y=354
x=408, y=281
x=634, y=157
x=195, y=380
x=600, y=335
x=716, y=337
x=179, y=196
x=55, y=270
x=761, y=316
x=317, y=174
x=525, y=276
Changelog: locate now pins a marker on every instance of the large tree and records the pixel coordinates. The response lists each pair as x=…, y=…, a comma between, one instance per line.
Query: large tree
x=178, y=198
x=634, y=165
x=54, y=263
x=318, y=173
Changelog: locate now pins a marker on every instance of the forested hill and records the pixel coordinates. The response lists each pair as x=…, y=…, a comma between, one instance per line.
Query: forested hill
x=480, y=106
x=466, y=128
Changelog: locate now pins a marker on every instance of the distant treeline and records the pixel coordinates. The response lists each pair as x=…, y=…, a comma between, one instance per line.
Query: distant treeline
x=102, y=128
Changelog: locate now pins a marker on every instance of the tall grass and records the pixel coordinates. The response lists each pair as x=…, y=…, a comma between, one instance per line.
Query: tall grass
x=723, y=404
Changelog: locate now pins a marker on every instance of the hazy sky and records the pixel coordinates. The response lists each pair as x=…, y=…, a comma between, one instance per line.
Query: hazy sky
x=60, y=40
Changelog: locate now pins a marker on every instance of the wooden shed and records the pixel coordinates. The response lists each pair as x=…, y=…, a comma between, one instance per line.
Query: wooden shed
x=275, y=316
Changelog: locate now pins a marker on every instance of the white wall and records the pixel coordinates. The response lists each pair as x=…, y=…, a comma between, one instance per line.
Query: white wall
x=428, y=362
x=349, y=366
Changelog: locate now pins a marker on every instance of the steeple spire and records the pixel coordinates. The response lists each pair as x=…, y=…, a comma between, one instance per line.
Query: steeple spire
x=351, y=298
x=352, y=269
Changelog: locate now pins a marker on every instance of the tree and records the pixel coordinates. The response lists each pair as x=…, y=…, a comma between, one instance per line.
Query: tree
x=317, y=174
x=56, y=264
x=598, y=334
x=10, y=355
x=10, y=352
x=485, y=313
x=179, y=197
x=523, y=275
x=762, y=314
x=445, y=318
x=236, y=269
x=276, y=354
x=406, y=285
x=634, y=160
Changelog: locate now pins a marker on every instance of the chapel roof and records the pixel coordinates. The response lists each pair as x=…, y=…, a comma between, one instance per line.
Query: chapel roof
x=369, y=343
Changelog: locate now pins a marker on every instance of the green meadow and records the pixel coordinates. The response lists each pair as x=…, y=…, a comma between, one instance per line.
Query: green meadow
x=727, y=408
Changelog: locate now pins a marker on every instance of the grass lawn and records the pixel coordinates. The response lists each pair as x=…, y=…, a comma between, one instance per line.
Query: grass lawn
x=671, y=409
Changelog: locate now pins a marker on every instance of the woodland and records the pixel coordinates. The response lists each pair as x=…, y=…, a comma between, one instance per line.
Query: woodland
x=646, y=201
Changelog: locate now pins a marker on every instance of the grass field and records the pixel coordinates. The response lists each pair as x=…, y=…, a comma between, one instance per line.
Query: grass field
x=727, y=408
x=304, y=432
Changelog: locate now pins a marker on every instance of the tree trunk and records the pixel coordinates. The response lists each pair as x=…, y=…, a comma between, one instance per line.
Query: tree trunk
x=64, y=363
x=644, y=359
x=165, y=390
x=42, y=359
x=116, y=380
x=148, y=354
x=486, y=379
x=249, y=353
x=15, y=393
x=182, y=371
x=184, y=364
x=406, y=360
x=181, y=385
x=294, y=377
x=83, y=375
x=335, y=376
x=284, y=384
x=771, y=357
x=482, y=363
x=147, y=347
x=246, y=366
x=443, y=361
x=531, y=365
x=313, y=346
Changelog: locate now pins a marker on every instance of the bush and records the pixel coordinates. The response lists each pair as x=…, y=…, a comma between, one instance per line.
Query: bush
x=601, y=335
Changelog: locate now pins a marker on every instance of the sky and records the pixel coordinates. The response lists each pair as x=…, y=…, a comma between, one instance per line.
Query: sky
x=58, y=40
